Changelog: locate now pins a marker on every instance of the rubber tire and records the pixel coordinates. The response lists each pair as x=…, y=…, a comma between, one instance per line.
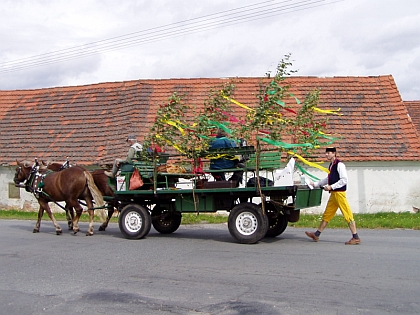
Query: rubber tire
x=169, y=224
x=276, y=225
x=247, y=224
x=134, y=221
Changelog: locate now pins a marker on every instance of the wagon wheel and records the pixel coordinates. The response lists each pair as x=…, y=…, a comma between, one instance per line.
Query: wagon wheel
x=247, y=224
x=134, y=221
x=277, y=221
x=165, y=221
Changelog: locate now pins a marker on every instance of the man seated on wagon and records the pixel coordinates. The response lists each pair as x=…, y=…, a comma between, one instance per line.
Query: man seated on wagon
x=133, y=152
x=227, y=162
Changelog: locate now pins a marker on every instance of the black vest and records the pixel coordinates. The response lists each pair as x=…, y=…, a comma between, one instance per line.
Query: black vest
x=334, y=177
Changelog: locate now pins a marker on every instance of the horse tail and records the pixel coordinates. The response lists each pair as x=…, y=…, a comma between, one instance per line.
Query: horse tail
x=96, y=195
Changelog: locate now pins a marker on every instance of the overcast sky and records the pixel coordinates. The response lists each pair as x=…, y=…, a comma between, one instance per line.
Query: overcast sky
x=49, y=43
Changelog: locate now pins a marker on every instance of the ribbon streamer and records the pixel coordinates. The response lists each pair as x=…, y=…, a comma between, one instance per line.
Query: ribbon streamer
x=236, y=102
x=328, y=111
x=312, y=164
x=296, y=99
x=172, y=123
x=170, y=143
x=221, y=126
x=233, y=118
x=286, y=145
x=306, y=172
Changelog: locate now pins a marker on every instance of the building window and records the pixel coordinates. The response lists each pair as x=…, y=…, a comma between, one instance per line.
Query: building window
x=14, y=192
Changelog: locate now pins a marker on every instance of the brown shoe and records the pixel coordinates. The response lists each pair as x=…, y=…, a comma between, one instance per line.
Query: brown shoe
x=109, y=174
x=312, y=235
x=353, y=241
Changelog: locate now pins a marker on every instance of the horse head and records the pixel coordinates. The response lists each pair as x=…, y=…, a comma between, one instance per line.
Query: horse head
x=55, y=166
x=23, y=170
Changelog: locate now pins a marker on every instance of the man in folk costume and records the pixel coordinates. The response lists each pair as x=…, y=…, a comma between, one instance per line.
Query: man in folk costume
x=336, y=184
x=135, y=149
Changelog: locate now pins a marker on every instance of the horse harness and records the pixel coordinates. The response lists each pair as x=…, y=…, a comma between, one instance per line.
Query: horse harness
x=35, y=182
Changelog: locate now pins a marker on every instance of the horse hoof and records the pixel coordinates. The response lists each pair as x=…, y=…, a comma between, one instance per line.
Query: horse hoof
x=101, y=228
x=59, y=232
x=89, y=234
x=35, y=231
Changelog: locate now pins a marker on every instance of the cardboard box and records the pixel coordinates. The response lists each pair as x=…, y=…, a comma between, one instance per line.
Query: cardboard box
x=121, y=183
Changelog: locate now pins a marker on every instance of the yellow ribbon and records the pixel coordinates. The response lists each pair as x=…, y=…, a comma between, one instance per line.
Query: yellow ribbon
x=312, y=164
x=221, y=156
x=270, y=121
x=236, y=102
x=170, y=143
x=328, y=111
x=172, y=123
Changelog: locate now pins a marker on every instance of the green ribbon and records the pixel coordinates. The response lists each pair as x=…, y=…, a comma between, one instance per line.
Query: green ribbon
x=285, y=145
x=296, y=99
x=305, y=172
x=221, y=126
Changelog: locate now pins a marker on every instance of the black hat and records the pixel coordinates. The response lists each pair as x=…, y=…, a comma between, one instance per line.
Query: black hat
x=131, y=137
x=330, y=149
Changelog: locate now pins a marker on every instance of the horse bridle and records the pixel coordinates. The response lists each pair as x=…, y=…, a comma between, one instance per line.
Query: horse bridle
x=17, y=184
x=29, y=181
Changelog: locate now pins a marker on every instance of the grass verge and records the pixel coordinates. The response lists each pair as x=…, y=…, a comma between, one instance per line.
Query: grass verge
x=382, y=220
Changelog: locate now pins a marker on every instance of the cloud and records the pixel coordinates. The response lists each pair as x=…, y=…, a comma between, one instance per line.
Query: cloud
x=57, y=75
x=344, y=38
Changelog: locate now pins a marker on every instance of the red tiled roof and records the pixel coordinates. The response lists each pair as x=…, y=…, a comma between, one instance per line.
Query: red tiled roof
x=413, y=108
x=89, y=123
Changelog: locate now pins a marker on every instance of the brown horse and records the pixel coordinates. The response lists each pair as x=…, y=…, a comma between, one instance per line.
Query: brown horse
x=101, y=181
x=69, y=185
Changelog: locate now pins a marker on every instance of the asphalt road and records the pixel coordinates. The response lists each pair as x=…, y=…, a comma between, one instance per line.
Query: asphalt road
x=201, y=270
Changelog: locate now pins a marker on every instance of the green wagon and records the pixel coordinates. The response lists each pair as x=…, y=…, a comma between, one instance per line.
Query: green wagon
x=254, y=211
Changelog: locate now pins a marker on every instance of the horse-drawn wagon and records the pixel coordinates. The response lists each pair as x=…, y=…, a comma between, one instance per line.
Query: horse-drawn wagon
x=259, y=207
x=255, y=211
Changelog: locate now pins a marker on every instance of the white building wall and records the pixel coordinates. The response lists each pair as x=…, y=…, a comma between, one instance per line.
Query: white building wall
x=26, y=202
x=378, y=187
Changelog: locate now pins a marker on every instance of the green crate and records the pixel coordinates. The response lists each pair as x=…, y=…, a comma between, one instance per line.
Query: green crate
x=306, y=198
x=268, y=161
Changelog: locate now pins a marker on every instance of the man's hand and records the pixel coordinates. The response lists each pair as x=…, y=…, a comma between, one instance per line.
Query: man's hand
x=327, y=188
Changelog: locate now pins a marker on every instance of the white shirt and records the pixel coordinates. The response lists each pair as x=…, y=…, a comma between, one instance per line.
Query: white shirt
x=342, y=172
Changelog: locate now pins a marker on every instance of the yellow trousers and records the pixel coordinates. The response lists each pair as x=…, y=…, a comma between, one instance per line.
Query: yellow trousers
x=337, y=200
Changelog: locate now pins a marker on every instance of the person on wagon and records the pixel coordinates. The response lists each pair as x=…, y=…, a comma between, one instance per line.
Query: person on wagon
x=336, y=184
x=220, y=142
x=133, y=151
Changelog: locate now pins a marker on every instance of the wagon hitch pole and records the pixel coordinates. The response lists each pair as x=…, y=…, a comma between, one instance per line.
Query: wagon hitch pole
x=94, y=208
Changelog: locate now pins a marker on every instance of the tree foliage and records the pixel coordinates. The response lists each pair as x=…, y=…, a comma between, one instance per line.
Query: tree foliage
x=277, y=118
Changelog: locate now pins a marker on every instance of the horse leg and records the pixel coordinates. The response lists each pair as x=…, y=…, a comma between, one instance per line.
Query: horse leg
x=45, y=206
x=90, y=210
x=38, y=222
x=69, y=216
x=91, y=227
x=79, y=211
x=105, y=224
